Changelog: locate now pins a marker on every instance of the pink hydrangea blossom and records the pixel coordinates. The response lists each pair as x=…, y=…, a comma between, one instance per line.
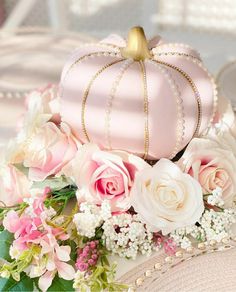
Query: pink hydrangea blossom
x=31, y=228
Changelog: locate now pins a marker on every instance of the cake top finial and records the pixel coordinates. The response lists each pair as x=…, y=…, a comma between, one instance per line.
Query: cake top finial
x=137, y=45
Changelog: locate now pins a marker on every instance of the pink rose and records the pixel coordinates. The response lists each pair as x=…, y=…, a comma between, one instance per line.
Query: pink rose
x=14, y=185
x=105, y=175
x=48, y=150
x=213, y=166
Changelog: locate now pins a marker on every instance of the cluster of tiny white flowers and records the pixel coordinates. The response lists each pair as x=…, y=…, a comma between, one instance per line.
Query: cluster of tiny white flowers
x=79, y=277
x=90, y=217
x=183, y=237
x=126, y=235
x=215, y=199
x=217, y=225
x=212, y=226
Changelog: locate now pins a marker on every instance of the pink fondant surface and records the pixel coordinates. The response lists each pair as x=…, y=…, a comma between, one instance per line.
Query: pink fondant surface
x=127, y=118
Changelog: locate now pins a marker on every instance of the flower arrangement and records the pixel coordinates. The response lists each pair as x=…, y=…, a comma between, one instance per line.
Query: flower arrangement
x=65, y=207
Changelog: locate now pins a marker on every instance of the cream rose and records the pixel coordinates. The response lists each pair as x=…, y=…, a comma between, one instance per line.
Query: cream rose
x=212, y=165
x=42, y=106
x=166, y=198
x=14, y=185
x=104, y=175
x=48, y=150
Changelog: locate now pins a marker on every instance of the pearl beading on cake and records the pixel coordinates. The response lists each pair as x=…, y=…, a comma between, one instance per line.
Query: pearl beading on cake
x=194, y=88
x=199, y=63
x=115, y=48
x=160, y=47
x=93, y=55
x=110, y=99
x=85, y=58
x=146, y=110
x=179, y=104
x=156, y=53
x=86, y=93
x=169, y=262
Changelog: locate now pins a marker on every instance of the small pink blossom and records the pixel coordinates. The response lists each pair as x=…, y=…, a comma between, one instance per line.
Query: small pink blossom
x=170, y=247
x=158, y=239
x=87, y=256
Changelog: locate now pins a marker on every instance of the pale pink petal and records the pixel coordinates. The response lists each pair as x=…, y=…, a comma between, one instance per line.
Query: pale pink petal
x=51, y=266
x=45, y=281
x=11, y=222
x=65, y=271
x=63, y=253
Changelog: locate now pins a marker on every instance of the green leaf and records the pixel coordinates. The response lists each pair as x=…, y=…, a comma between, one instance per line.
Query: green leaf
x=25, y=284
x=6, y=239
x=96, y=287
x=61, y=285
x=104, y=261
x=73, y=254
x=55, y=183
x=98, y=271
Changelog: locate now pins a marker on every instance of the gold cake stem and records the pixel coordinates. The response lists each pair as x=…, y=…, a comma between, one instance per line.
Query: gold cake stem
x=137, y=45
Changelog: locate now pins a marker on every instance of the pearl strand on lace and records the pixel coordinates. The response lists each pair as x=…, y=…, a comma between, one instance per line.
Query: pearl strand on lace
x=181, y=256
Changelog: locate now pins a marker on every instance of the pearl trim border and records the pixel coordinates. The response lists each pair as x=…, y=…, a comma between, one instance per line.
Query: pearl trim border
x=180, y=256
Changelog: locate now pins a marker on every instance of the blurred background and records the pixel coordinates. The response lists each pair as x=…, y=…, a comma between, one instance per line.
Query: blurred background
x=36, y=37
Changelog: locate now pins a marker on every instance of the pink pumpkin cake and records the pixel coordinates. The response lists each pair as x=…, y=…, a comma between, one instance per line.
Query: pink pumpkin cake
x=147, y=98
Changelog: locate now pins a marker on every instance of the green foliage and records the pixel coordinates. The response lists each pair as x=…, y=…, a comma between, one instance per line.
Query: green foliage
x=25, y=284
x=15, y=268
x=61, y=285
x=102, y=278
x=6, y=239
x=5, y=209
x=54, y=183
x=59, y=198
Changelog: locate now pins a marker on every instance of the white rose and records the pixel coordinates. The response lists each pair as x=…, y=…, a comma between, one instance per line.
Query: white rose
x=166, y=198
